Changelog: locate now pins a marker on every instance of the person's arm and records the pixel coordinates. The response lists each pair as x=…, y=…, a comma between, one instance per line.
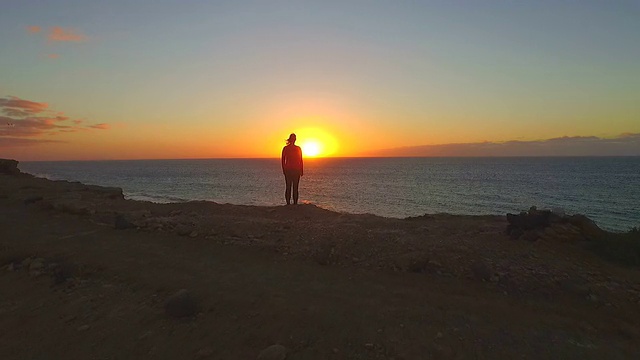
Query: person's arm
x=282, y=159
x=301, y=163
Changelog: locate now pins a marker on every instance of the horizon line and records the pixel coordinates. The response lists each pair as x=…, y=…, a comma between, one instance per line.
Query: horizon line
x=345, y=157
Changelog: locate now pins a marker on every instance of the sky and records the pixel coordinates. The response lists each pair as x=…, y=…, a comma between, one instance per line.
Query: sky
x=94, y=80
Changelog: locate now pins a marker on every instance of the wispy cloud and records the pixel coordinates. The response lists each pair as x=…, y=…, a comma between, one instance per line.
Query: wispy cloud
x=627, y=144
x=15, y=103
x=33, y=121
x=57, y=33
x=33, y=29
x=100, y=126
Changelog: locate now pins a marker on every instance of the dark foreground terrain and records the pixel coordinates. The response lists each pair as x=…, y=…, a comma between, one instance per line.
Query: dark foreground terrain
x=86, y=274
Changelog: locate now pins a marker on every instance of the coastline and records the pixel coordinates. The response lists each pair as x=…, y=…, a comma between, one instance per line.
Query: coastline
x=471, y=256
x=426, y=189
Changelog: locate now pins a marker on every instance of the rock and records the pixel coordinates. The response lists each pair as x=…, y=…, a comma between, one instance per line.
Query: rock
x=36, y=264
x=112, y=193
x=180, y=304
x=9, y=167
x=183, y=230
x=526, y=221
x=547, y=224
x=273, y=352
x=84, y=328
x=369, y=346
x=60, y=274
x=481, y=270
x=32, y=199
x=72, y=206
x=140, y=214
x=26, y=262
x=121, y=223
x=204, y=353
x=193, y=234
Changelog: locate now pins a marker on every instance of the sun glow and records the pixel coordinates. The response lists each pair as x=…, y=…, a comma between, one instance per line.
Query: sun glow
x=316, y=142
x=311, y=148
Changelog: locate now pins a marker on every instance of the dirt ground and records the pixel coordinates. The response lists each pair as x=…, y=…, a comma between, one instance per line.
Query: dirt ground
x=75, y=283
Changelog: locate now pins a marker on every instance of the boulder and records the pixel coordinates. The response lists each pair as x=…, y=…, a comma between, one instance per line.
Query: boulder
x=273, y=352
x=180, y=304
x=121, y=223
x=36, y=264
x=9, y=167
x=536, y=224
x=113, y=193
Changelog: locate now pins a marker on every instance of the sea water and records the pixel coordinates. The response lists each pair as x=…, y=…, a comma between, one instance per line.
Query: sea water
x=606, y=189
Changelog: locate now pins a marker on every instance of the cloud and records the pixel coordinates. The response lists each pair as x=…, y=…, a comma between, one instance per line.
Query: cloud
x=33, y=29
x=30, y=126
x=15, y=103
x=100, y=126
x=15, y=112
x=33, y=121
x=627, y=144
x=57, y=33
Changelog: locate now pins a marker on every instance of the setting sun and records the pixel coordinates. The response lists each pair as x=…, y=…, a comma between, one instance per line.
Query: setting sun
x=316, y=142
x=311, y=148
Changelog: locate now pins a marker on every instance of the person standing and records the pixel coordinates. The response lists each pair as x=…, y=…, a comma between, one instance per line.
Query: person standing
x=292, y=168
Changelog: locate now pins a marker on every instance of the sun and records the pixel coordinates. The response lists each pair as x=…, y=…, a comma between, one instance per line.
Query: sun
x=311, y=148
x=316, y=142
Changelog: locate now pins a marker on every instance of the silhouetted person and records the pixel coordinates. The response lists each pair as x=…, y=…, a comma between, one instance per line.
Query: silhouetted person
x=292, y=168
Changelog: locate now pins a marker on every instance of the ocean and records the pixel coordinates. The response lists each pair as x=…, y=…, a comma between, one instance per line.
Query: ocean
x=606, y=189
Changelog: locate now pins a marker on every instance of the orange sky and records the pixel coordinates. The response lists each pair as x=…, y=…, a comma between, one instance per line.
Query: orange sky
x=235, y=79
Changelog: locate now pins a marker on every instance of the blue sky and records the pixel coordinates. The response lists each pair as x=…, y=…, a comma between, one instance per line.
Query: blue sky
x=231, y=78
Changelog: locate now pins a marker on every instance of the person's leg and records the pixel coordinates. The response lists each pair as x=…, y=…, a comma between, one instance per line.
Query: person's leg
x=288, y=179
x=296, y=181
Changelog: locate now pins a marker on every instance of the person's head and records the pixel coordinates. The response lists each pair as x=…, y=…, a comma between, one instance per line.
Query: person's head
x=292, y=139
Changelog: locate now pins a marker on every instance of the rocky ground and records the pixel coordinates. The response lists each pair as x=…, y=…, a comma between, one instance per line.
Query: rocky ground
x=88, y=274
